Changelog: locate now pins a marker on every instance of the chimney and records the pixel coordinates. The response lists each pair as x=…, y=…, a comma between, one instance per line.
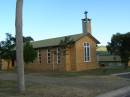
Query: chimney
x=86, y=24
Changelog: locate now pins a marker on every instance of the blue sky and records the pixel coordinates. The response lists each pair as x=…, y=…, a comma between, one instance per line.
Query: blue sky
x=44, y=19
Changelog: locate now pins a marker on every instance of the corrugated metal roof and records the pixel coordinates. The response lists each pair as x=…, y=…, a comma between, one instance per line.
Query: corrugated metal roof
x=56, y=41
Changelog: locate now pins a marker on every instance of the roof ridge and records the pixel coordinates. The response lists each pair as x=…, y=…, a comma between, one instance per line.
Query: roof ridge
x=56, y=41
x=57, y=37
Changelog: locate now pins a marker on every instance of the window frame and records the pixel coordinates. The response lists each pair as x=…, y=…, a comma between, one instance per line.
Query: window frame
x=87, y=52
x=58, y=55
x=48, y=56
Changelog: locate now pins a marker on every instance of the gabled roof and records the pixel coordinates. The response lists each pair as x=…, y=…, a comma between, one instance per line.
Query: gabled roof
x=56, y=41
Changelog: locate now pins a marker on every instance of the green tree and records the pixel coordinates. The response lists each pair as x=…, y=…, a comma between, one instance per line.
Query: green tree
x=65, y=44
x=8, y=52
x=7, y=49
x=120, y=45
x=29, y=53
x=27, y=39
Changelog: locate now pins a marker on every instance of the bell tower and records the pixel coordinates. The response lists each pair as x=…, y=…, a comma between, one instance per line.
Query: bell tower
x=86, y=24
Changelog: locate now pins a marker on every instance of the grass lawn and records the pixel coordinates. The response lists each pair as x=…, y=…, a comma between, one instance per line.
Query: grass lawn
x=94, y=72
x=97, y=72
x=71, y=84
x=89, y=87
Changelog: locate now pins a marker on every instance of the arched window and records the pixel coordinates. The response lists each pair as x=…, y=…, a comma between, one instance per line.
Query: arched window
x=87, y=56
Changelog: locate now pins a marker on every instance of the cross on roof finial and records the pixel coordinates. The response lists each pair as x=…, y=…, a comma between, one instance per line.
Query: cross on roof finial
x=86, y=18
x=85, y=14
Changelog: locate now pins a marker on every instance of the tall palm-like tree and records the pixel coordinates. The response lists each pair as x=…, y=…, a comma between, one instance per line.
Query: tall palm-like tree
x=19, y=46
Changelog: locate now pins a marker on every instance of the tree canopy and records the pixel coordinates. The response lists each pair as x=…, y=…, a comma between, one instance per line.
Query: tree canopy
x=66, y=43
x=29, y=53
x=7, y=47
x=8, y=52
x=120, y=45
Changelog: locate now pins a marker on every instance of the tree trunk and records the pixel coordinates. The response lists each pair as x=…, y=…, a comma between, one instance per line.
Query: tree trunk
x=19, y=46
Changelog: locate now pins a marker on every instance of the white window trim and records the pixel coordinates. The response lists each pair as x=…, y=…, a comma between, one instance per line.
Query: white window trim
x=47, y=57
x=89, y=52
